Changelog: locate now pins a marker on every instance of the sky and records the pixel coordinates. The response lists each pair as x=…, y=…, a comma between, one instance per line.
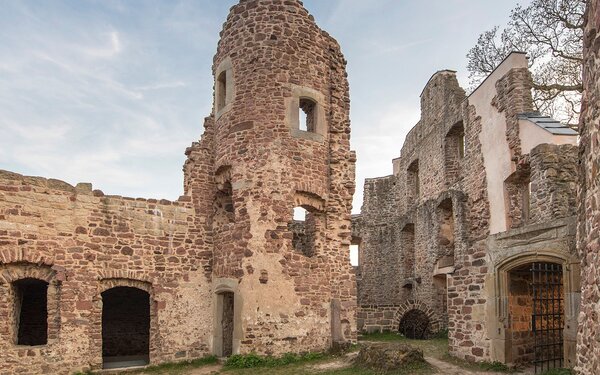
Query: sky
x=112, y=92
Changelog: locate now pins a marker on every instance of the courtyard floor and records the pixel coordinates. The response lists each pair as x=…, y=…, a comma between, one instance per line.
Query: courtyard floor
x=435, y=352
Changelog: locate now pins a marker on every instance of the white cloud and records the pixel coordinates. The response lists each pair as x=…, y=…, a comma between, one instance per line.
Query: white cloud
x=109, y=50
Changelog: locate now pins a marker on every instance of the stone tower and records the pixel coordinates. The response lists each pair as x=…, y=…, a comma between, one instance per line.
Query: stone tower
x=278, y=138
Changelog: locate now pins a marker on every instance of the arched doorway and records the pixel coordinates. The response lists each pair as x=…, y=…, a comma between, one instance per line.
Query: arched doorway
x=125, y=327
x=415, y=324
x=536, y=303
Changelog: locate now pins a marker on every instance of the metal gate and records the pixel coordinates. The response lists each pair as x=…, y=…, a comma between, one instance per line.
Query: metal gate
x=547, y=319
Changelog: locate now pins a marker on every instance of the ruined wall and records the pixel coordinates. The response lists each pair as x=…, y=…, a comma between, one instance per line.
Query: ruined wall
x=402, y=219
x=271, y=57
x=82, y=243
x=467, y=203
x=219, y=265
x=588, y=346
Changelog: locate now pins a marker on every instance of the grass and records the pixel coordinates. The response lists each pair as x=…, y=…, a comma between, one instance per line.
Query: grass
x=335, y=363
x=254, y=360
x=478, y=366
x=177, y=367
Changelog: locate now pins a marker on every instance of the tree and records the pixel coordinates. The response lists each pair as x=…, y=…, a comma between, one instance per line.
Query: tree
x=551, y=32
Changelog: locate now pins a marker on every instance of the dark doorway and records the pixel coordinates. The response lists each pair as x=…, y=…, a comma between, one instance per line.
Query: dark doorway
x=415, y=325
x=227, y=323
x=125, y=327
x=31, y=310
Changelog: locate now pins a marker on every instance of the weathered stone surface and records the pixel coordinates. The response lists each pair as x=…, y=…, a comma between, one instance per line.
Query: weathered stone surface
x=388, y=356
x=588, y=199
x=219, y=264
x=476, y=188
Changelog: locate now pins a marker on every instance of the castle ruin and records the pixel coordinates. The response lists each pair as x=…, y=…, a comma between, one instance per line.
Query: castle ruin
x=484, y=229
x=474, y=232
x=90, y=281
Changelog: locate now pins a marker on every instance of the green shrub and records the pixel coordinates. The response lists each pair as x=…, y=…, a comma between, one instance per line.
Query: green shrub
x=255, y=360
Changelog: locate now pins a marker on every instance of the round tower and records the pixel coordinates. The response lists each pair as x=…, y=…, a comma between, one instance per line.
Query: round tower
x=281, y=133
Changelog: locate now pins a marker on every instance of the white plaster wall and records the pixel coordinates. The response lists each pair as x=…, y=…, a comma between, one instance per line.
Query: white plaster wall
x=494, y=146
x=532, y=135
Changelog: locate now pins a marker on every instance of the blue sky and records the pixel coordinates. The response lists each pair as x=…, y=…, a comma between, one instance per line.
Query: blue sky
x=112, y=92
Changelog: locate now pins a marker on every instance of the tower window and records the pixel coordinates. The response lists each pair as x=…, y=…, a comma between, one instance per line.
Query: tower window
x=307, y=115
x=221, y=90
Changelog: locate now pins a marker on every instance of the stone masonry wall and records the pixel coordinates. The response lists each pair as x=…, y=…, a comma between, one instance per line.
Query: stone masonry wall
x=434, y=228
x=273, y=53
x=81, y=242
x=588, y=338
x=401, y=212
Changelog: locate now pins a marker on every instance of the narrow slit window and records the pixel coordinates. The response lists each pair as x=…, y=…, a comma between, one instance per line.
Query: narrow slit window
x=221, y=90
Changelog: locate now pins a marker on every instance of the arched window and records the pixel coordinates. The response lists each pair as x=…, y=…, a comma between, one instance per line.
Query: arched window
x=31, y=311
x=304, y=230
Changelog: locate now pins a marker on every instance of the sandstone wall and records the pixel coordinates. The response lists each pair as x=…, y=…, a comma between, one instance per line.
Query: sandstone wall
x=82, y=243
x=588, y=345
x=273, y=56
x=465, y=204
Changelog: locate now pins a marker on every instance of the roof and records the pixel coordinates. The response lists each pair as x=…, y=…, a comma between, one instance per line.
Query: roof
x=547, y=123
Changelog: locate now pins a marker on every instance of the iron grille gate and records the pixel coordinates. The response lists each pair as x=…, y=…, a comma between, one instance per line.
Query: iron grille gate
x=547, y=319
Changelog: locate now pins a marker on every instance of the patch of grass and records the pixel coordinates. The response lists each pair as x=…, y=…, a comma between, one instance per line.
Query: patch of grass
x=559, y=371
x=177, y=367
x=485, y=366
x=382, y=336
x=255, y=360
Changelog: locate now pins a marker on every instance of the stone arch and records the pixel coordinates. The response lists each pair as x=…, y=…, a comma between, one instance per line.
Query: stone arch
x=434, y=321
x=111, y=279
x=13, y=272
x=18, y=255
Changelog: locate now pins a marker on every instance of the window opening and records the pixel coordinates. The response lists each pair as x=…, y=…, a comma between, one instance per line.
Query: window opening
x=306, y=115
x=31, y=310
x=221, y=90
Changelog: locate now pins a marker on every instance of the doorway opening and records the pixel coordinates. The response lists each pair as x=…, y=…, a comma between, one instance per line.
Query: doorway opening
x=226, y=307
x=125, y=327
x=536, y=312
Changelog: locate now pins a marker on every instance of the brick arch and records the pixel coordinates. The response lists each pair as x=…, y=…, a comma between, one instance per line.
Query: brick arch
x=307, y=199
x=132, y=276
x=434, y=320
x=109, y=283
x=311, y=188
x=22, y=255
x=12, y=272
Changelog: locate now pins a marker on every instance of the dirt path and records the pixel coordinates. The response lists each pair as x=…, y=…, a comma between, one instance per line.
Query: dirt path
x=205, y=370
x=450, y=369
